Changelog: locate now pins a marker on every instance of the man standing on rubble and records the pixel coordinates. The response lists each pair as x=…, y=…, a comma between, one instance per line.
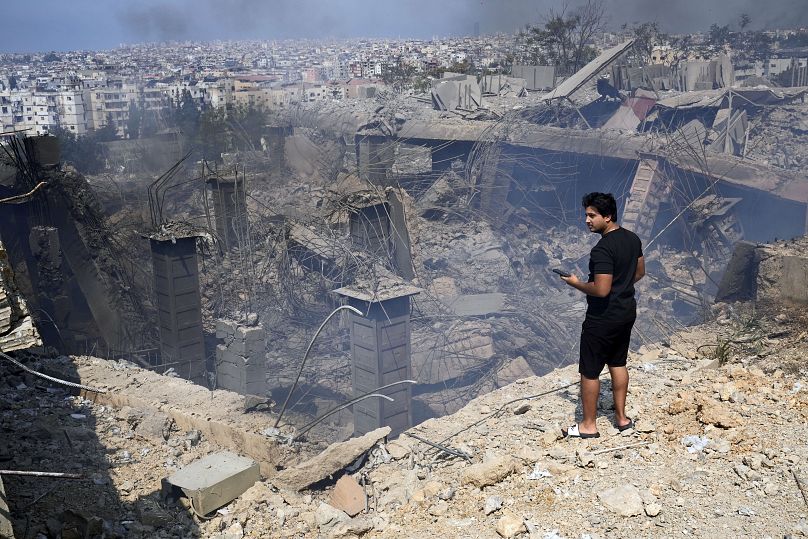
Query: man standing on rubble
x=615, y=264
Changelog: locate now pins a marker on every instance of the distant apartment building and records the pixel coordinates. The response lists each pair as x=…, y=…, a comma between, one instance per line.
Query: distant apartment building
x=71, y=111
x=110, y=104
x=39, y=113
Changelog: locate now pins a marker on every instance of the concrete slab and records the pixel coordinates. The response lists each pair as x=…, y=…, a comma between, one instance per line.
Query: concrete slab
x=215, y=480
x=218, y=415
x=335, y=458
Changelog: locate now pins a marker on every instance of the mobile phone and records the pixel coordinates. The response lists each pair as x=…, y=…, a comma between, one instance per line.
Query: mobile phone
x=562, y=272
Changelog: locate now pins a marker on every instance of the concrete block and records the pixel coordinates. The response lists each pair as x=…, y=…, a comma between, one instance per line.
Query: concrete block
x=233, y=371
x=254, y=333
x=225, y=328
x=216, y=480
x=248, y=348
x=229, y=356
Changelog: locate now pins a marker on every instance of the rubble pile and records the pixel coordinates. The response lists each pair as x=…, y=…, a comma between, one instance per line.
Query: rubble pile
x=712, y=454
x=779, y=137
x=715, y=452
x=17, y=329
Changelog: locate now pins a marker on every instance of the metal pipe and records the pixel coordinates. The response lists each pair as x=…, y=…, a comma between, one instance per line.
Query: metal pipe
x=350, y=402
x=308, y=427
x=445, y=449
x=42, y=474
x=306, y=355
x=51, y=378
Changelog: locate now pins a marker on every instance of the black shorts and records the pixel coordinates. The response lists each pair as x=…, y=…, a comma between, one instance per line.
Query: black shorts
x=603, y=342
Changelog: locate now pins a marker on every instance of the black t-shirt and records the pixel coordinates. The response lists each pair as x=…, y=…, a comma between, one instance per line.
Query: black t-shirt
x=616, y=253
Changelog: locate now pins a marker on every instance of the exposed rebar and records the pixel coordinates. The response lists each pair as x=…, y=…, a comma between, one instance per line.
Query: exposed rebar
x=51, y=378
x=311, y=425
x=306, y=355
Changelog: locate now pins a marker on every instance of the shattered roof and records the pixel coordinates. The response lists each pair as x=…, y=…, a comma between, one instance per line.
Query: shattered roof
x=761, y=95
x=583, y=75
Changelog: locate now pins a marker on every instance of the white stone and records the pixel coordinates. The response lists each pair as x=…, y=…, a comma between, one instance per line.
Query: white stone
x=492, y=504
x=625, y=500
x=510, y=525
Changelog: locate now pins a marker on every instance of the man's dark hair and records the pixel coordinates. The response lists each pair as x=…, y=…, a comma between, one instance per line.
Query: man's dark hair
x=603, y=202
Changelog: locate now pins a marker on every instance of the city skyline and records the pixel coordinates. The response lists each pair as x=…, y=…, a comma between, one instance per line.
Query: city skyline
x=45, y=25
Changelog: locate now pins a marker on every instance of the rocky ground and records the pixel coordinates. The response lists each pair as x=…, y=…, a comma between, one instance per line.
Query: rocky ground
x=718, y=449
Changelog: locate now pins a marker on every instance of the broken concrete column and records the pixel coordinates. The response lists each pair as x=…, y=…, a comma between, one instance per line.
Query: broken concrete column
x=380, y=352
x=229, y=209
x=179, y=305
x=771, y=272
x=400, y=236
x=52, y=297
x=375, y=158
x=241, y=357
x=370, y=228
x=274, y=143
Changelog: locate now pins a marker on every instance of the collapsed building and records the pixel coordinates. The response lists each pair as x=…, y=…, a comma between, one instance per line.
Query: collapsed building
x=436, y=219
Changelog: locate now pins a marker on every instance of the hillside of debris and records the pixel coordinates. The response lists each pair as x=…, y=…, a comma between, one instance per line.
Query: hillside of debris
x=721, y=414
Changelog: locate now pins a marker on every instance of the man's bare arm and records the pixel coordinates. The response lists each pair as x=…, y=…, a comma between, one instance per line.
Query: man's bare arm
x=599, y=289
x=639, y=273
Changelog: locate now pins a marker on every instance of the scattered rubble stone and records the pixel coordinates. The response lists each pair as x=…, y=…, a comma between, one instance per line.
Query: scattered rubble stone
x=490, y=472
x=625, y=500
x=510, y=525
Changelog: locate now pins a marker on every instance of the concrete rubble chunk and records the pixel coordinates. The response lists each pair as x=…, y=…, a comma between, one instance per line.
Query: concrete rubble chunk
x=492, y=504
x=356, y=527
x=333, y=459
x=348, y=496
x=215, y=480
x=510, y=525
x=715, y=413
x=653, y=509
x=625, y=500
x=327, y=517
x=490, y=472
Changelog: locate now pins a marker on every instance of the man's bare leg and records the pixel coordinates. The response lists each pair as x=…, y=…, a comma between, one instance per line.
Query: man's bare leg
x=619, y=389
x=590, y=391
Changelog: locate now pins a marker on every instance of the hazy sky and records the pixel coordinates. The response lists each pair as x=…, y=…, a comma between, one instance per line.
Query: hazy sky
x=41, y=25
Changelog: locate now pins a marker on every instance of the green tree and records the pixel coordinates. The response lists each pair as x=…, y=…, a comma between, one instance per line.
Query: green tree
x=646, y=36
x=85, y=153
x=212, y=136
x=564, y=38
x=187, y=115
x=107, y=133
x=134, y=121
x=150, y=124
x=743, y=21
x=51, y=57
x=398, y=76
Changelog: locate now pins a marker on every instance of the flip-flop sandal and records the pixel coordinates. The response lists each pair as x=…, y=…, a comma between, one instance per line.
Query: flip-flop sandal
x=574, y=432
x=629, y=425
